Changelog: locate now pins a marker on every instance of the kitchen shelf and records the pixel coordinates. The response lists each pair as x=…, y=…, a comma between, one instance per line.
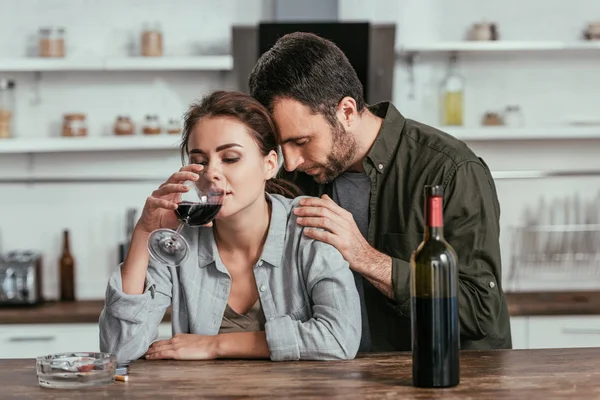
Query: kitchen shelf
x=88, y=144
x=194, y=63
x=171, y=142
x=499, y=46
x=503, y=133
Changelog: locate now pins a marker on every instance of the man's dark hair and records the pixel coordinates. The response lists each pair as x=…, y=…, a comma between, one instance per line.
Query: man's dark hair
x=309, y=69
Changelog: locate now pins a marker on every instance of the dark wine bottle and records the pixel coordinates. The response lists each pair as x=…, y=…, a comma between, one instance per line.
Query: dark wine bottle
x=434, y=304
x=67, y=271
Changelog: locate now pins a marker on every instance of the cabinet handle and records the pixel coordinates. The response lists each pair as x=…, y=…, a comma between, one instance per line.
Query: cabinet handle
x=581, y=331
x=32, y=339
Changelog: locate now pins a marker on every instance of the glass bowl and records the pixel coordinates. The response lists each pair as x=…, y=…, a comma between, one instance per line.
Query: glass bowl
x=76, y=370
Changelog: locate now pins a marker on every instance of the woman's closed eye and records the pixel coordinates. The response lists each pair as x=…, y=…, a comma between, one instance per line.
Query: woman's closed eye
x=231, y=160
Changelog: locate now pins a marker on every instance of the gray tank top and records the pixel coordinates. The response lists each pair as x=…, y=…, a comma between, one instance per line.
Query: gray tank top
x=252, y=321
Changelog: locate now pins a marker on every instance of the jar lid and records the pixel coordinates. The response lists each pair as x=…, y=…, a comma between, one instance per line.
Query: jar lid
x=76, y=116
x=47, y=30
x=6, y=84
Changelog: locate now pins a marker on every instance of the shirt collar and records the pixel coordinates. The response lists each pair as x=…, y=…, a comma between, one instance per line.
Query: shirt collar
x=389, y=134
x=273, y=248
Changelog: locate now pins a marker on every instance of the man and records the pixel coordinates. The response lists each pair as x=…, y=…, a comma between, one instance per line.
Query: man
x=369, y=166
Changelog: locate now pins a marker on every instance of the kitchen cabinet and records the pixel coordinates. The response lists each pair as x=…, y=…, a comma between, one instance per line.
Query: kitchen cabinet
x=564, y=331
x=519, y=331
x=561, y=331
x=32, y=340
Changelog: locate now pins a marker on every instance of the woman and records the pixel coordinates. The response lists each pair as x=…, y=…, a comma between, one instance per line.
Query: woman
x=258, y=287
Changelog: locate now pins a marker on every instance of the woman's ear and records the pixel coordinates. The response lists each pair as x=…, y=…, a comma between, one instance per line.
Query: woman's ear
x=271, y=164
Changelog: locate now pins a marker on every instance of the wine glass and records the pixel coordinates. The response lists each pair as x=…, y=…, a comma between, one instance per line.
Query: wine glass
x=199, y=205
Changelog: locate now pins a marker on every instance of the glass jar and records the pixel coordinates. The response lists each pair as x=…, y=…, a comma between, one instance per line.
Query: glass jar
x=492, y=119
x=124, y=126
x=151, y=125
x=52, y=42
x=152, y=41
x=513, y=116
x=74, y=125
x=173, y=127
x=7, y=107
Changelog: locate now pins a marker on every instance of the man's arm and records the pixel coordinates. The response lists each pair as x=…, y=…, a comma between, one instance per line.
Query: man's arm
x=471, y=226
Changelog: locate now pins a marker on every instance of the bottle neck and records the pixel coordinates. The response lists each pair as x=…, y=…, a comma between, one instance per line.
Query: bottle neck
x=434, y=218
x=66, y=246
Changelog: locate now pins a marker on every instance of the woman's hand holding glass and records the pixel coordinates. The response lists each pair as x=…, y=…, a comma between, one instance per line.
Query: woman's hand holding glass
x=193, y=196
x=158, y=212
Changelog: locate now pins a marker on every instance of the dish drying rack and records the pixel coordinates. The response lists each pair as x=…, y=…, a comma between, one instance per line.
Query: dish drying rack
x=555, y=257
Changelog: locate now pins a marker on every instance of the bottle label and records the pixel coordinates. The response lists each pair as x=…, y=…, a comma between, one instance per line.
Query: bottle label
x=435, y=218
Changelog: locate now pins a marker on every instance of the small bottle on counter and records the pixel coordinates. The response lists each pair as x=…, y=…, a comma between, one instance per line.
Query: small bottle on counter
x=52, y=42
x=7, y=106
x=124, y=126
x=151, y=125
x=74, y=125
x=173, y=127
x=152, y=40
x=67, y=271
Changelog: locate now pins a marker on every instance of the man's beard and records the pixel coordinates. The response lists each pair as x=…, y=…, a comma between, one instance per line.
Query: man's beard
x=341, y=156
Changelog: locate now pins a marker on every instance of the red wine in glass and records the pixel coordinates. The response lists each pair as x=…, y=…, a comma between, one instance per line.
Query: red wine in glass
x=196, y=214
x=198, y=206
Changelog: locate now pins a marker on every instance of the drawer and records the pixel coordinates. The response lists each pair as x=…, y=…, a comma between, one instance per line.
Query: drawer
x=563, y=332
x=32, y=340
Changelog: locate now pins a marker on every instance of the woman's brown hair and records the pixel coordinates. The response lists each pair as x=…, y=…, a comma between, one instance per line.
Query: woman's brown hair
x=251, y=113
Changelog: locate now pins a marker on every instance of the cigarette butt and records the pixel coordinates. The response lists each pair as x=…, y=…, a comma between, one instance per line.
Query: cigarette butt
x=122, y=378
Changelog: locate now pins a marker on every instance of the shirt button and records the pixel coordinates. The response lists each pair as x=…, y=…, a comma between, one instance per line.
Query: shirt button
x=380, y=166
x=262, y=288
x=492, y=284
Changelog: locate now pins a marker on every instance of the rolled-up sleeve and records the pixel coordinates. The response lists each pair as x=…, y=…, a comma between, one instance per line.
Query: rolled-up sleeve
x=471, y=219
x=129, y=323
x=472, y=226
x=334, y=330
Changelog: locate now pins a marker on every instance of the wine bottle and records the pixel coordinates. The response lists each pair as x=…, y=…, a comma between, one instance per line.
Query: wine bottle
x=434, y=304
x=67, y=271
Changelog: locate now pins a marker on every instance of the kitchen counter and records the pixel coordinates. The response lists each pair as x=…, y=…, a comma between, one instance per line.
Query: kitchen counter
x=519, y=304
x=499, y=374
x=85, y=311
x=553, y=303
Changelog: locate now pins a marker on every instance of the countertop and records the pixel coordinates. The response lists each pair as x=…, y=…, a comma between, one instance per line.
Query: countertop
x=519, y=304
x=496, y=374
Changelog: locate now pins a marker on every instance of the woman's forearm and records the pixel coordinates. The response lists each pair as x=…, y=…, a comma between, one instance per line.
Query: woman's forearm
x=242, y=345
x=133, y=270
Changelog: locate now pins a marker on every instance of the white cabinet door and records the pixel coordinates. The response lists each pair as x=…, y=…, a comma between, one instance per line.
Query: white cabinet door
x=32, y=340
x=519, y=332
x=564, y=331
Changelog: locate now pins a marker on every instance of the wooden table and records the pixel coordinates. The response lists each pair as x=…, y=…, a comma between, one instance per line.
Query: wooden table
x=499, y=374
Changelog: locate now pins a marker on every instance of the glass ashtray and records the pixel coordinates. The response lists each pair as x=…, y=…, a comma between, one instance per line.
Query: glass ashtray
x=76, y=370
